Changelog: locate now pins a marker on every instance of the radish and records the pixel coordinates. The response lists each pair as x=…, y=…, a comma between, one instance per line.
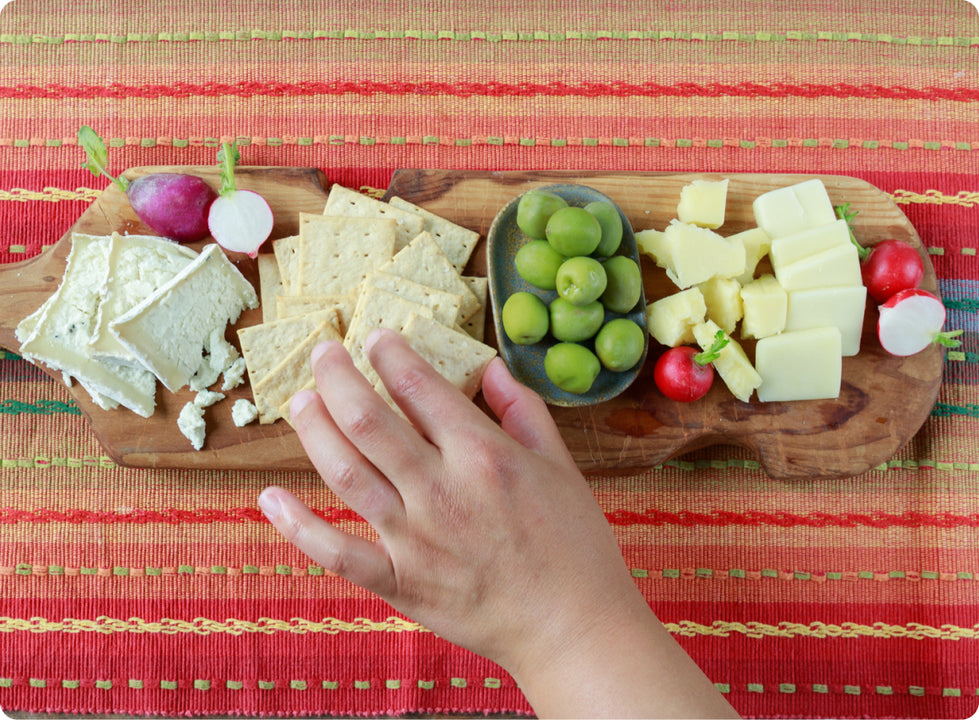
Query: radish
x=911, y=320
x=239, y=220
x=888, y=266
x=174, y=205
x=684, y=374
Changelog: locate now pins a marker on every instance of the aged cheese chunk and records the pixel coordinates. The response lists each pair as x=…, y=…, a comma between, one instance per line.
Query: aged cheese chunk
x=723, y=299
x=800, y=365
x=702, y=202
x=794, y=208
x=169, y=330
x=697, y=254
x=756, y=246
x=670, y=320
x=791, y=248
x=840, y=307
x=59, y=336
x=651, y=244
x=137, y=266
x=839, y=265
x=765, y=307
x=733, y=365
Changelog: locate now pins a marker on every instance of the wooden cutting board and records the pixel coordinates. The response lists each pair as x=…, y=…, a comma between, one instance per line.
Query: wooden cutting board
x=883, y=403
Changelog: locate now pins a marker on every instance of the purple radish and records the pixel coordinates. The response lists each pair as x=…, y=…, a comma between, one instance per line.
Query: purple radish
x=239, y=220
x=174, y=205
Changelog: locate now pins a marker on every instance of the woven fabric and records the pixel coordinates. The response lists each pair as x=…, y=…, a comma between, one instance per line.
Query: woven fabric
x=141, y=591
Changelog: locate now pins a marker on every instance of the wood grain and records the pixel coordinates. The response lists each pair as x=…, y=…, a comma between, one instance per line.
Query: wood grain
x=884, y=400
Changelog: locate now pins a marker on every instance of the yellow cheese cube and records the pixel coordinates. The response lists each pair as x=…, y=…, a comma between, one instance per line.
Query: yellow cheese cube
x=839, y=307
x=670, y=320
x=791, y=209
x=837, y=266
x=697, y=254
x=732, y=365
x=756, y=246
x=723, y=299
x=790, y=248
x=765, y=307
x=800, y=365
x=702, y=203
x=650, y=243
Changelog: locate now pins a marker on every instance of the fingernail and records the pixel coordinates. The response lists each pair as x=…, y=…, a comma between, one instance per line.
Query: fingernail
x=270, y=504
x=318, y=351
x=300, y=400
x=372, y=338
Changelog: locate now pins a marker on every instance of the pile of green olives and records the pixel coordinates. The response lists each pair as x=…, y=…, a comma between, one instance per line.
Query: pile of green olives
x=570, y=255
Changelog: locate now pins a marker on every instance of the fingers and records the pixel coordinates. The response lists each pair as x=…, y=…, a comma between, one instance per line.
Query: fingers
x=381, y=437
x=522, y=413
x=343, y=467
x=358, y=560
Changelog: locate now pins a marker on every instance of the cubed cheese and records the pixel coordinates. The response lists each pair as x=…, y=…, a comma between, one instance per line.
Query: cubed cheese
x=651, y=244
x=800, y=365
x=830, y=268
x=732, y=364
x=794, y=208
x=702, y=202
x=788, y=249
x=756, y=245
x=670, y=320
x=723, y=299
x=765, y=307
x=840, y=307
x=697, y=254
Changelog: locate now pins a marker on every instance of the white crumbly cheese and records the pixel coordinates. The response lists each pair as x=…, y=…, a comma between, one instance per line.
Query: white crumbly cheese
x=222, y=354
x=206, y=398
x=191, y=424
x=59, y=336
x=169, y=330
x=243, y=412
x=205, y=376
x=234, y=375
x=137, y=266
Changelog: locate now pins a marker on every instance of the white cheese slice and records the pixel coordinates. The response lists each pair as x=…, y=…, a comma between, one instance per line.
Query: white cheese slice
x=840, y=307
x=60, y=336
x=137, y=266
x=794, y=208
x=837, y=266
x=800, y=365
x=790, y=248
x=169, y=330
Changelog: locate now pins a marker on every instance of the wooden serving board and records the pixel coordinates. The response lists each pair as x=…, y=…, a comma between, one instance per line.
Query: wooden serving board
x=883, y=403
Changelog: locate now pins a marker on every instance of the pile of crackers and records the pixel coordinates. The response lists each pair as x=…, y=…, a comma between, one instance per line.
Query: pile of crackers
x=362, y=264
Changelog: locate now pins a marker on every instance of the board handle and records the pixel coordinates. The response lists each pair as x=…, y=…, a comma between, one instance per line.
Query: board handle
x=26, y=285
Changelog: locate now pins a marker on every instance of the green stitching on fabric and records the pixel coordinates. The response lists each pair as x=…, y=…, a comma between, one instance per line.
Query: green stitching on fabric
x=39, y=407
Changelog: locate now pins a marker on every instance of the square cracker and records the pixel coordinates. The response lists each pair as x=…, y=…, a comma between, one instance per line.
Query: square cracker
x=345, y=202
x=292, y=305
x=424, y=262
x=456, y=241
x=291, y=374
x=263, y=346
x=476, y=325
x=286, y=250
x=269, y=285
x=455, y=355
x=444, y=305
x=337, y=253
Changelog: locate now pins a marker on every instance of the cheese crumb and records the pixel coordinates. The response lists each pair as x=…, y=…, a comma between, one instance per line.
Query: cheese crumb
x=191, y=424
x=234, y=374
x=243, y=412
x=206, y=398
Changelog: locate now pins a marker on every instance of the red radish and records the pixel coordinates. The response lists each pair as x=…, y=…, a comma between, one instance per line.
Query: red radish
x=685, y=374
x=911, y=320
x=891, y=266
x=888, y=266
x=239, y=220
x=173, y=204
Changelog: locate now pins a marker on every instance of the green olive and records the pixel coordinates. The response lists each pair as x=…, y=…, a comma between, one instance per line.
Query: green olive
x=608, y=217
x=574, y=323
x=619, y=344
x=525, y=318
x=571, y=367
x=581, y=280
x=624, y=287
x=573, y=231
x=537, y=263
x=535, y=208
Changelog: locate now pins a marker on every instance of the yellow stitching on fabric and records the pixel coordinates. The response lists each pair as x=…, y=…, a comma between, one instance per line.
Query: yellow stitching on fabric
x=531, y=36
x=936, y=197
x=819, y=630
x=518, y=141
x=813, y=576
x=205, y=626
x=50, y=194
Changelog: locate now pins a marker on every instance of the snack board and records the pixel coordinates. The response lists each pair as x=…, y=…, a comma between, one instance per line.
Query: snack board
x=883, y=402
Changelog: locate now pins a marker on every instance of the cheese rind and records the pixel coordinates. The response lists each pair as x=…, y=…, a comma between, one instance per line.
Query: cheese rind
x=169, y=330
x=800, y=365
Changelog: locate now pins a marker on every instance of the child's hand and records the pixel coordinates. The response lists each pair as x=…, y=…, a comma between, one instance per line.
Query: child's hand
x=490, y=537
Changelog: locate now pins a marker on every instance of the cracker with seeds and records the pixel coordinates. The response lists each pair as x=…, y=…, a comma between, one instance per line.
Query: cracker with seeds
x=457, y=242
x=291, y=374
x=424, y=262
x=344, y=202
x=337, y=253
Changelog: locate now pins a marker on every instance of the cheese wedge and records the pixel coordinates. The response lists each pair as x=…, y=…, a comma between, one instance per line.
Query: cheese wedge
x=169, y=330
